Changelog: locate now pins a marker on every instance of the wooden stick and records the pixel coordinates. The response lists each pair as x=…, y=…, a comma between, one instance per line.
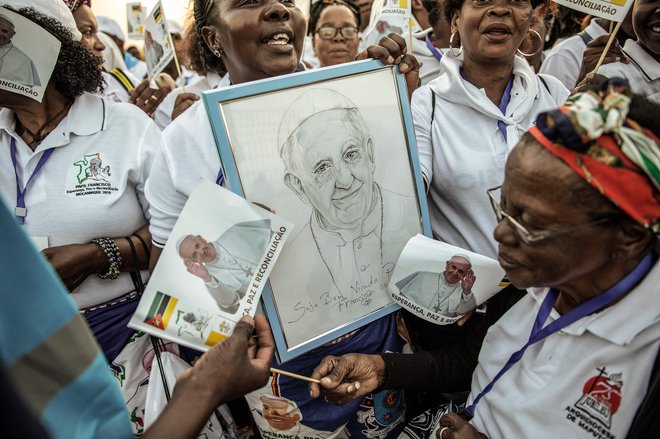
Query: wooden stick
x=176, y=63
x=294, y=375
x=607, y=48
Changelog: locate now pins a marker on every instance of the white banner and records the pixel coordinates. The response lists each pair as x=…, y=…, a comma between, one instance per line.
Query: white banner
x=613, y=10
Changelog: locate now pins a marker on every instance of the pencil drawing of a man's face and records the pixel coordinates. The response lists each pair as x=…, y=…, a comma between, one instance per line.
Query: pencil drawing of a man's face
x=333, y=167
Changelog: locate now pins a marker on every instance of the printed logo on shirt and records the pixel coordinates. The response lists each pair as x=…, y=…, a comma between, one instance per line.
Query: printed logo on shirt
x=91, y=177
x=600, y=399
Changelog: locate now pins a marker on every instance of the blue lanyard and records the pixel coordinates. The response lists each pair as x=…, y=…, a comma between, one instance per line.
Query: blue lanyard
x=220, y=179
x=589, y=307
x=434, y=50
x=20, y=211
x=506, y=97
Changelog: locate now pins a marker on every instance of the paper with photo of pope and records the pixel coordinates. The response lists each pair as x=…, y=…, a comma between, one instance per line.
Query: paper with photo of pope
x=28, y=54
x=158, y=46
x=440, y=282
x=212, y=270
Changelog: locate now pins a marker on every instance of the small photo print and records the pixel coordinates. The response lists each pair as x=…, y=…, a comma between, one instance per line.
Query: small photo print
x=28, y=54
x=212, y=270
x=440, y=282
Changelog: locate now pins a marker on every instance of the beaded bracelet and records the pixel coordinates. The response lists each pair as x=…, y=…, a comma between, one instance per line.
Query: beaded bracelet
x=114, y=257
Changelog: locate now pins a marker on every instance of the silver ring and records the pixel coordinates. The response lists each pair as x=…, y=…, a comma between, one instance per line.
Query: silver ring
x=442, y=431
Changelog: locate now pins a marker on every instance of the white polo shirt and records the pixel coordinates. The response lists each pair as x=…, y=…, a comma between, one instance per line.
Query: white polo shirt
x=163, y=114
x=462, y=152
x=114, y=90
x=430, y=64
x=69, y=200
x=564, y=61
x=643, y=71
x=189, y=153
x=585, y=381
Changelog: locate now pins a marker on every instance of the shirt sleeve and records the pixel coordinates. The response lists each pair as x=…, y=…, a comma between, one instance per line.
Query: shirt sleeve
x=422, y=124
x=151, y=144
x=449, y=369
x=561, y=66
x=188, y=154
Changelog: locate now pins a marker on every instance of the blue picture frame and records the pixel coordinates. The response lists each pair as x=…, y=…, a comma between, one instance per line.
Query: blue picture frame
x=218, y=101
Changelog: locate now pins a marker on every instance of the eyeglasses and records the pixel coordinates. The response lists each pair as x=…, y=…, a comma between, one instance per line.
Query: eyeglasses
x=537, y=235
x=329, y=32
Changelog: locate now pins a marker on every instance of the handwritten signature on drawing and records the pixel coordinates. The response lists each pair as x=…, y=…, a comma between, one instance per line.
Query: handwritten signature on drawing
x=361, y=295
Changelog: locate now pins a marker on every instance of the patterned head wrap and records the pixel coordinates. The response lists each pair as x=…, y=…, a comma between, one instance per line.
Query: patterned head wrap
x=75, y=4
x=593, y=136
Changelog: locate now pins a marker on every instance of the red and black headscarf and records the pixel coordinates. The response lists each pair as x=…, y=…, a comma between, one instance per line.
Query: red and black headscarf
x=593, y=136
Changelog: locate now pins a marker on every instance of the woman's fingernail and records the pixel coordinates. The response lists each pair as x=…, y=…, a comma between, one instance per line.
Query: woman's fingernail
x=390, y=60
x=403, y=67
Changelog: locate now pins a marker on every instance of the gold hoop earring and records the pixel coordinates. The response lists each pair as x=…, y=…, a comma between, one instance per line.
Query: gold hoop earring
x=529, y=55
x=451, y=48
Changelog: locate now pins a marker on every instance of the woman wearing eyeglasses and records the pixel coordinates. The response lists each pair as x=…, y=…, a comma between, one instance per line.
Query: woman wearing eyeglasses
x=334, y=28
x=578, y=225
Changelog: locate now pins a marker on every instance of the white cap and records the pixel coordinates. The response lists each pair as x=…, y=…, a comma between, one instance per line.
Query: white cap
x=52, y=8
x=179, y=242
x=462, y=255
x=309, y=104
x=4, y=17
x=110, y=27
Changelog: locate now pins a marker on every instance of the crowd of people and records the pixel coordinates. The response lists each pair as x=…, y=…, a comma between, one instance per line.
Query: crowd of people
x=526, y=154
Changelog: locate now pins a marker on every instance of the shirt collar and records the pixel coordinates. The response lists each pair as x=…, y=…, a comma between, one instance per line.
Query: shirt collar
x=7, y=47
x=325, y=237
x=645, y=62
x=85, y=117
x=621, y=322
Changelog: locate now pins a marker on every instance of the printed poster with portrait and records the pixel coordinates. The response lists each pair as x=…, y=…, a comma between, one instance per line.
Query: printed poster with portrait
x=212, y=270
x=158, y=46
x=613, y=10
x=440, y=282
x=134, y=23
x=333, y=152
x=28, y=54
x=389, y=16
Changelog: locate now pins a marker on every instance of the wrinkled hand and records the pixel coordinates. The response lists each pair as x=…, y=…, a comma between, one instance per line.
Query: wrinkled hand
x=230, y=369
x=198, y=269
x=468, y=281
x=347, y=377
x=457, y=428
x=75, y=262
x=182, y=103
x=147, y=98
x=392, y=50
x=593, y=52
